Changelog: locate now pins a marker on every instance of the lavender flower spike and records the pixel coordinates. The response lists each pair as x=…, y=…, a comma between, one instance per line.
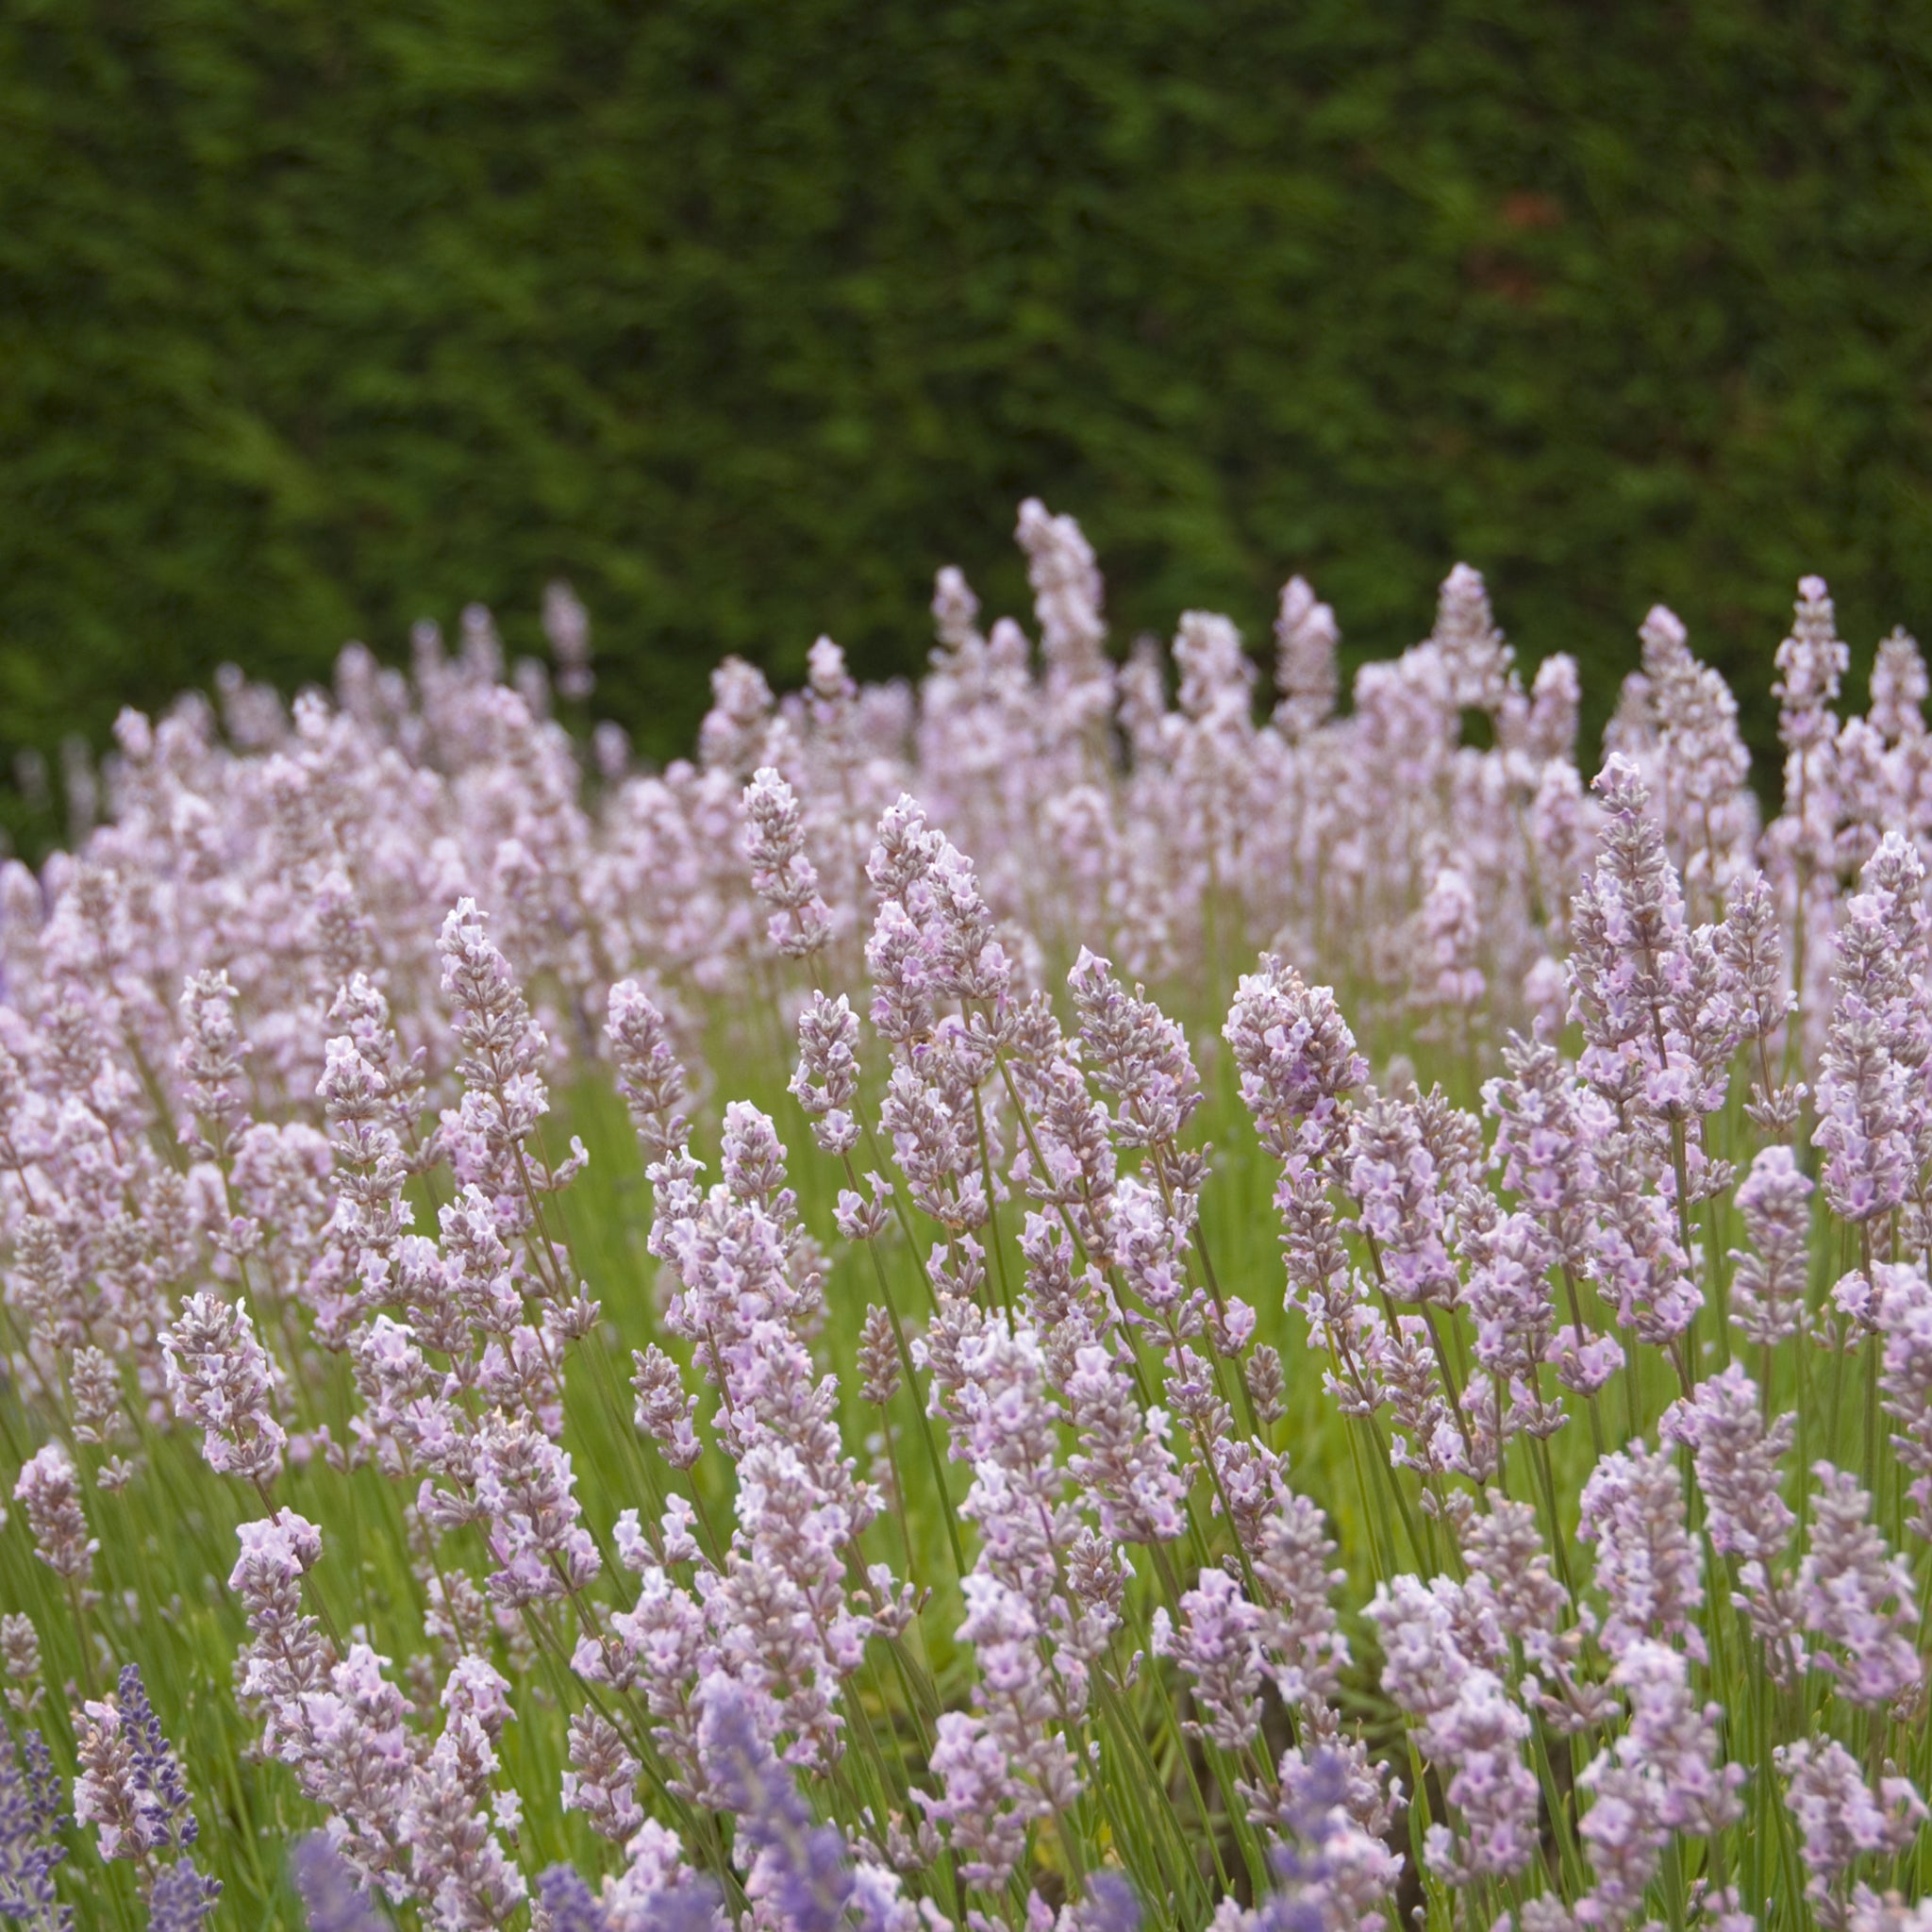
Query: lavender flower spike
x=331, y=1899
x=30, y=1848
x=800, y=1867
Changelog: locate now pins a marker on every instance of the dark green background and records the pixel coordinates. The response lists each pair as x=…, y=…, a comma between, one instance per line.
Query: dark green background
x=318, y=317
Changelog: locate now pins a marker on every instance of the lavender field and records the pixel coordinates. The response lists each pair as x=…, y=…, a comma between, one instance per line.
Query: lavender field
x=1070, y=1299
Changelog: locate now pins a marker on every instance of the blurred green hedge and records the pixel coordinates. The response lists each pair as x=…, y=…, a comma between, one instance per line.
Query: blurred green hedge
x=316, y=318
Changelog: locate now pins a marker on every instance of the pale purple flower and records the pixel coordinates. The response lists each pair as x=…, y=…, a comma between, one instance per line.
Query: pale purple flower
x=1218, y=1646
x=1839, y=1818
x=505, y=1095
x=1672, y=1744
x=1391, y=1176
x=665, y=1409
x=209, y=1060
x=734, y=734
x=801, y=1868
x=1626, y=924
x=48, y=1489
x=1737, y=1457
x=222, y=1379
x=1902, y=1311
x=1767, y=1286
x=1750, y=949
x=1810, y=662
x=1306, y=676
x=1857, y=1597
x=20, y=1658
x=1138, y=1058
x=567, y=626
x=781, y=874
x=649, y=1073
x=1066, y=599
x=332, y=1900
x=826, y=1084
x=1296, y=1058
x=1479, y=1738
x=602, y=1780
x=1124, y=1460
x=1700, y=764
x=528, y=1506
x=1647, y=1566
x=1445, y=973
x=1864, y=1101
x=1548, y=1130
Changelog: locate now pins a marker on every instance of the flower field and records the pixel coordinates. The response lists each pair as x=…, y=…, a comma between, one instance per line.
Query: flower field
x=1071, y=1299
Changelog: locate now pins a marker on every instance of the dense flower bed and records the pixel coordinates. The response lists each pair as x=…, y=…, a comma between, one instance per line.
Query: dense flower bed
x=978, y=1520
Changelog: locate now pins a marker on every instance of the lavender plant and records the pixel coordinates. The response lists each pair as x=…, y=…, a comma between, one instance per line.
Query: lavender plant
x=1023, y=1303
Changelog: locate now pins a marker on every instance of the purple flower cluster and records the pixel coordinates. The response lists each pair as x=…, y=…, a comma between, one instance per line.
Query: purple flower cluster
x=975, y=1527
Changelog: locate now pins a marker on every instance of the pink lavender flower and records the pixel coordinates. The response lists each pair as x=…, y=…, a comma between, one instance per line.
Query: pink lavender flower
x=1473, y=651
x=934, y=937
x=1810, y=662
x=48, y=1489
x=20, y=1659
x=1647, y=1566
x=1305, y=678
x=567, y=626
x=1445, y=975
x=734, y=736
x=222, y=1381
x=505, y=1096
x=1750, y=950
x=1441, y=1665
x=1674, y=1742
x=525, y=1496
x=1218, y=1646
x=1839, y=1819
x=288, y=1657
x=781, y=874
x=1479, y=1738
x=1627, y=924
x=1636, y=1256
x=1138, y=1058
x=1066, y=599
x=1391, y=1176
x=602, y=1780
x=1507, y=1295
x=1863, y=1104
x=666, y=1411
x=827, y=1082
x=1902, y=1310
x=1767, y=1286
x=1701, y=764
x=1296, y=1058
x=1857, y=1597
x=1548, y=1130
x=1124, y=1460
x=1738, y=1457
x=649, y=1074
x=209, y=1060
x=1899, y=688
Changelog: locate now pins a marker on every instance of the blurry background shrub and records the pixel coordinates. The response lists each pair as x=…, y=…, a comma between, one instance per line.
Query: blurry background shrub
x=315, y=318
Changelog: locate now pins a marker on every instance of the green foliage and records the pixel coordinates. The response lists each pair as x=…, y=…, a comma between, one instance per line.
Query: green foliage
x=744, y=317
